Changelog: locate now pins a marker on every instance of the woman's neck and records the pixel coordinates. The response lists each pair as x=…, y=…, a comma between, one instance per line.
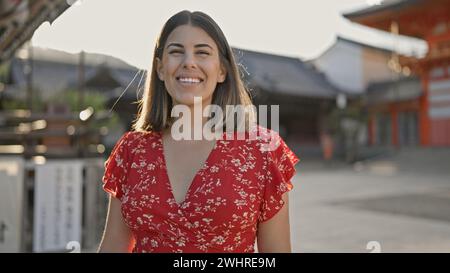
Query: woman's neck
x=189, y=124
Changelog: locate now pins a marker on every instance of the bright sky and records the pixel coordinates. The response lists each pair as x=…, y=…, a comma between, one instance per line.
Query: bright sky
x=127, y=29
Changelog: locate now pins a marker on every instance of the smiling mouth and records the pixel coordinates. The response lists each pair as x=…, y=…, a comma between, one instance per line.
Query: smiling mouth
x=188, y=80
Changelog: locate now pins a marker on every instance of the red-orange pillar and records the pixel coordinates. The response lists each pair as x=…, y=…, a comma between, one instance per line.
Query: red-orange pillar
x=424, y=119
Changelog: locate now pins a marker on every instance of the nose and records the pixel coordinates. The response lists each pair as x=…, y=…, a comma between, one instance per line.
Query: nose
x=189, y=61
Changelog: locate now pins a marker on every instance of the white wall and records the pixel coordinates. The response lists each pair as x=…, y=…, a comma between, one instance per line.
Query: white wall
x=343, y=66
x=352, y=66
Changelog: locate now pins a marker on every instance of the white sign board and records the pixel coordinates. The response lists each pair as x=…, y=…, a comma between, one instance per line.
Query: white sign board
x=11, y=203
x=57, y=205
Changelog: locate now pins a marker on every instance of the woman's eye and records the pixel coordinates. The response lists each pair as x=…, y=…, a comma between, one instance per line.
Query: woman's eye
x=175, y=52
x=203, y=52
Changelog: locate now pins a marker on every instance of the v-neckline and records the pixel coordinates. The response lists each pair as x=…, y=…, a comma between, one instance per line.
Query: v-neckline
x=196, y=175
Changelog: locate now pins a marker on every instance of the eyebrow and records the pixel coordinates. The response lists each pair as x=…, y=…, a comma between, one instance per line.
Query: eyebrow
x=196, y=46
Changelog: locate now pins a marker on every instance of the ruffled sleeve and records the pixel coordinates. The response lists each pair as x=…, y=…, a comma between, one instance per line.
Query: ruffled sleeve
x=281, y=169
x=116, y=168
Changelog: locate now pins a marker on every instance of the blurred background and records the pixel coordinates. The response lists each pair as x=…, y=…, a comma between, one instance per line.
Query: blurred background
x=363, y=89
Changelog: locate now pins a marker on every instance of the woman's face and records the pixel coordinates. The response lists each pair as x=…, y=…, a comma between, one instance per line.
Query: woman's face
x=190, y=65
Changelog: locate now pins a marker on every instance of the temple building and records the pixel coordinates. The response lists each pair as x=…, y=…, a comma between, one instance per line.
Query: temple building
x=427, y=110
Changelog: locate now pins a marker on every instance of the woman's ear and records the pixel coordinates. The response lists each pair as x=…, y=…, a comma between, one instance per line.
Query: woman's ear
x=159, y=69
x=222, y=74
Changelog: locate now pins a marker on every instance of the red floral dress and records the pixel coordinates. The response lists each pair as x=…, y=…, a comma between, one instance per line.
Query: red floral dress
x=239, y=185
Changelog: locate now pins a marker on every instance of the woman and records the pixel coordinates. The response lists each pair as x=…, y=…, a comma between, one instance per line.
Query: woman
x=220, y=195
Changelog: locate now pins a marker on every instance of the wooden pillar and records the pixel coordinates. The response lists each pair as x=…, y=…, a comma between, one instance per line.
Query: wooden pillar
x=424, y=119
x=394, y=124
x=371, y=129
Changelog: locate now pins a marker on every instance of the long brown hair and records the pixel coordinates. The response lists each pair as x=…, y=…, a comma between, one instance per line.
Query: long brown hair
x=156, y=105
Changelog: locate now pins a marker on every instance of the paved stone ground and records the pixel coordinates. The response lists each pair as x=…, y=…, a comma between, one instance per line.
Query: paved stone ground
x=401, y=201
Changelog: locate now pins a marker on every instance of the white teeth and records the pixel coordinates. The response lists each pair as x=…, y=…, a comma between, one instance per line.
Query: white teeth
x=189, y=80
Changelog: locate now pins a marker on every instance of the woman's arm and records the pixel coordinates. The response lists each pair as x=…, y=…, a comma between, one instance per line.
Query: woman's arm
x=117, y=237
x=274, y=234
